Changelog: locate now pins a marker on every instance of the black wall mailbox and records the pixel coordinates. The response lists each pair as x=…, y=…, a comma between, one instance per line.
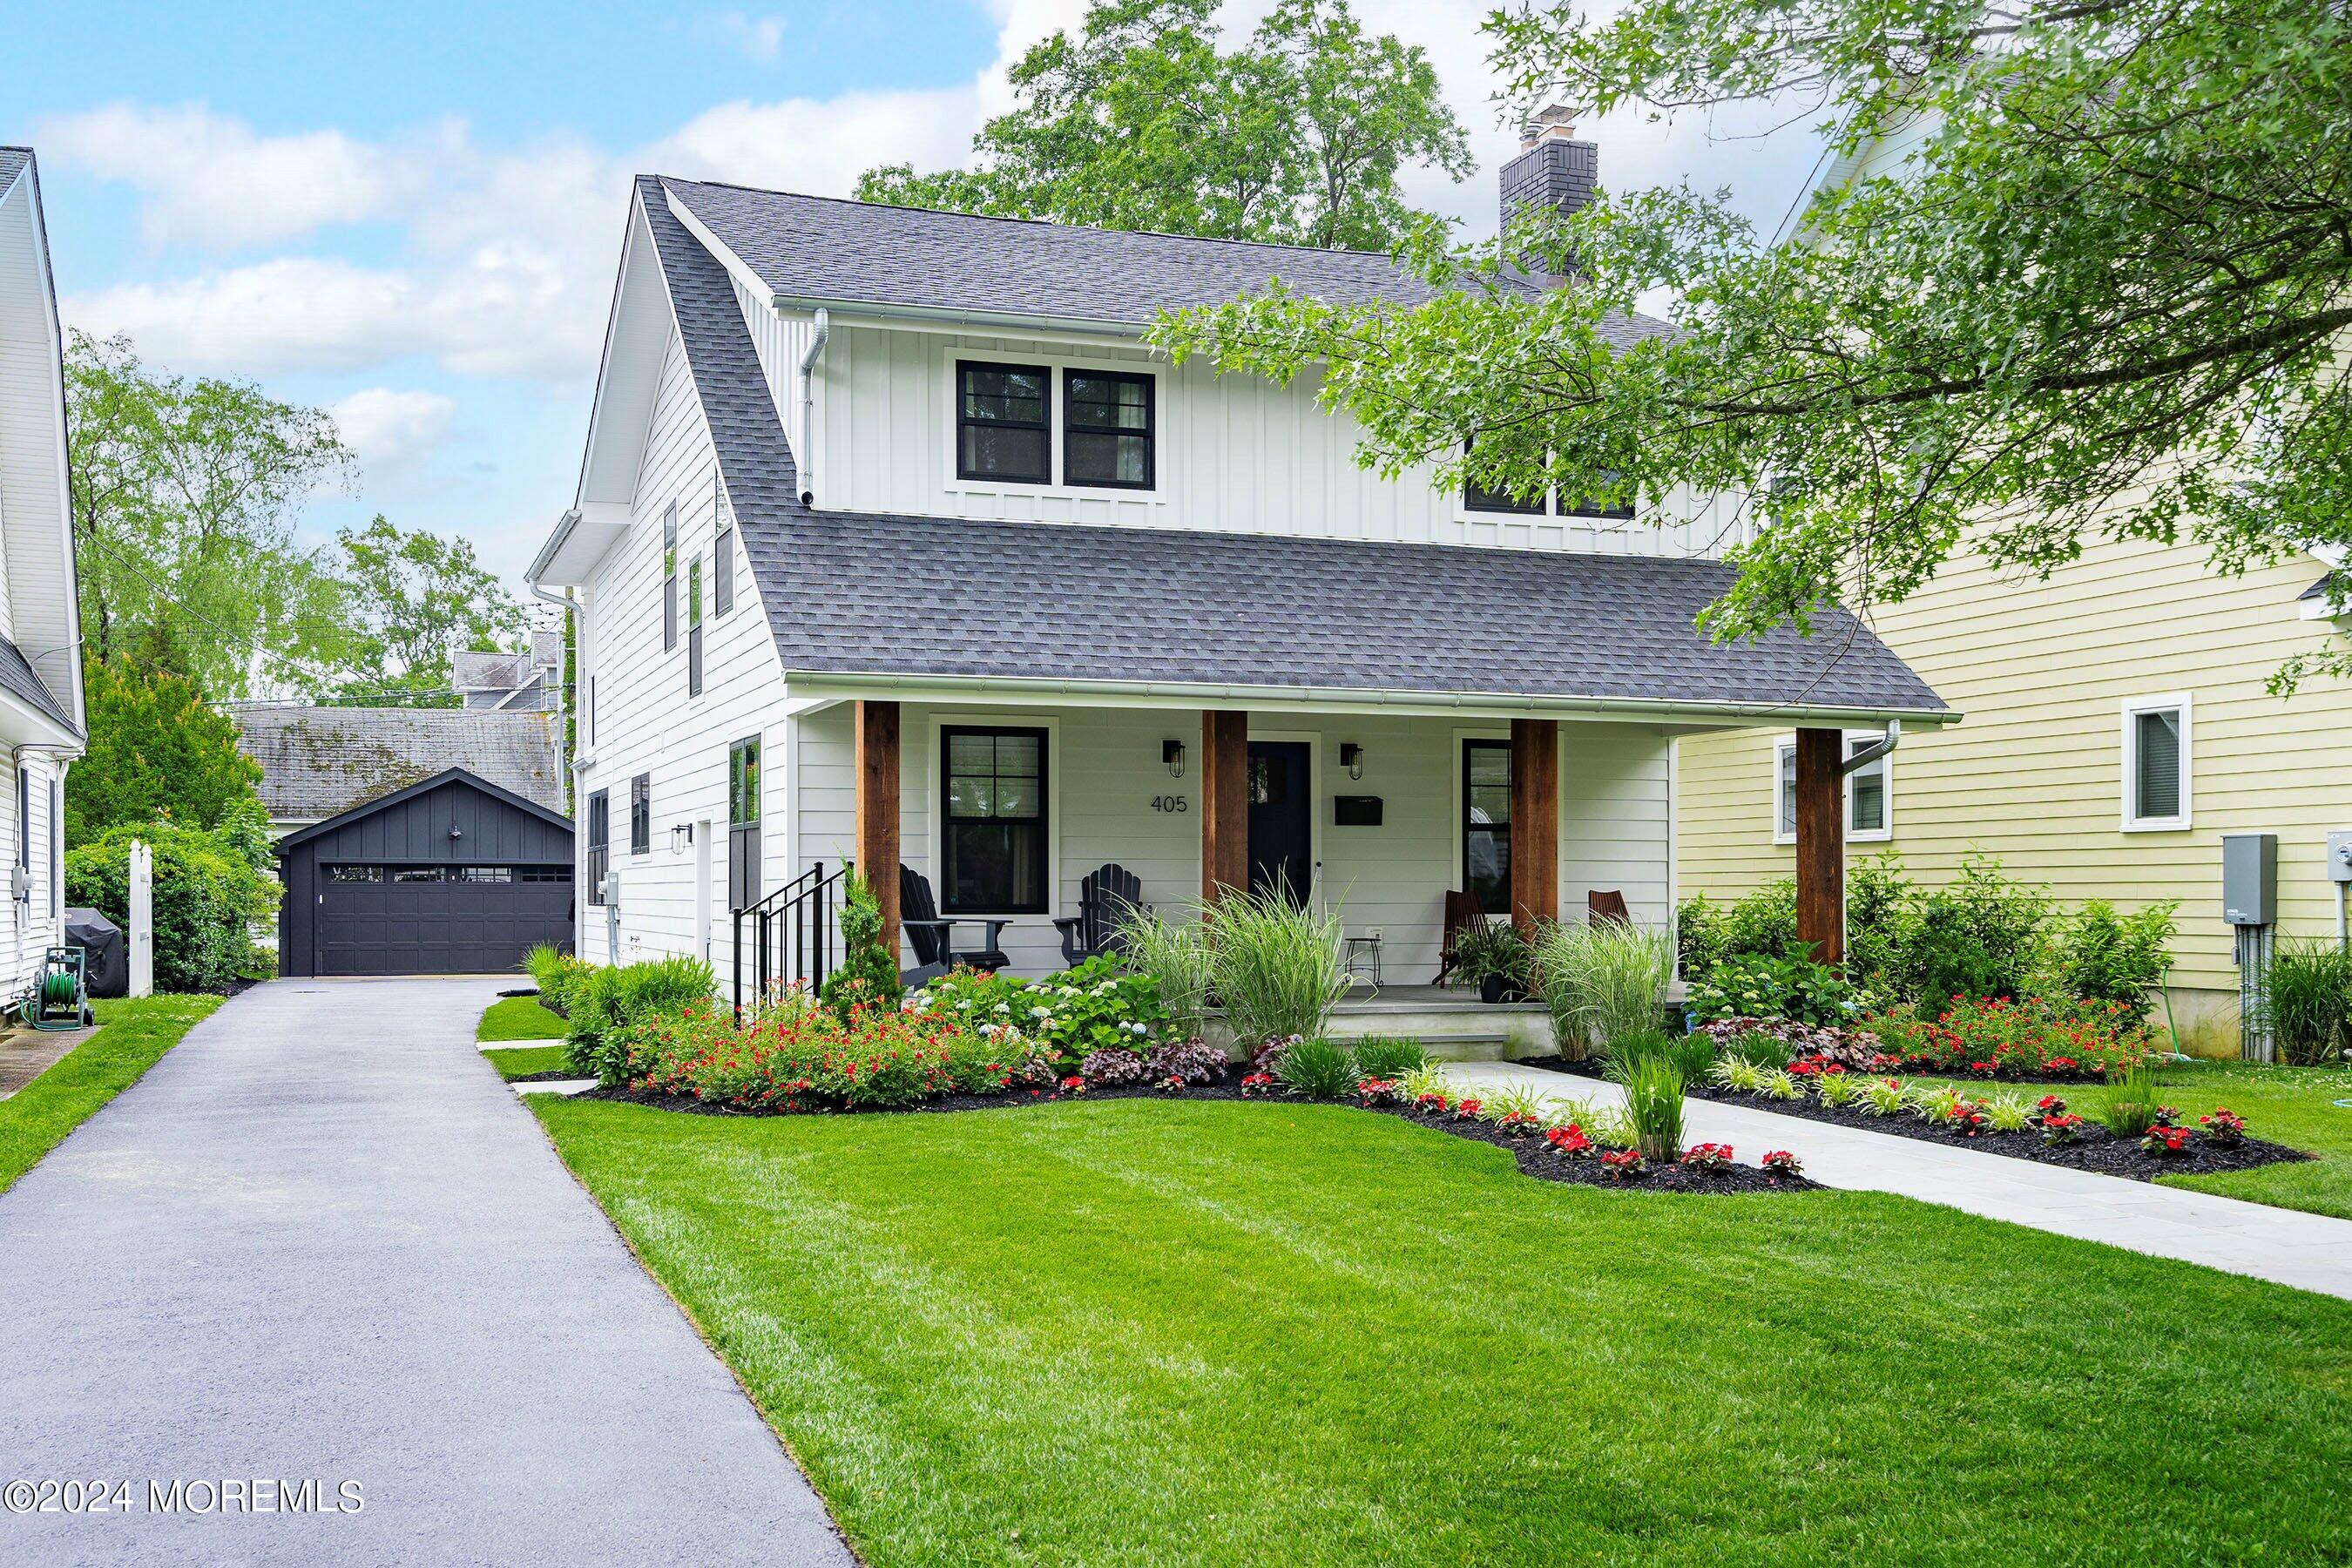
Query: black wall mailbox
x=1356, y=810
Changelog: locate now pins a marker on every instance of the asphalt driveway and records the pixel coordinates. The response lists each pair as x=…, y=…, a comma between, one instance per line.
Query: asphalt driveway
x=320, y=1242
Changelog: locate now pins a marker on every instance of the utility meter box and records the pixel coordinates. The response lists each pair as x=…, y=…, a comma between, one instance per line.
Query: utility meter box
x=2339, y=857
x=2249, y=879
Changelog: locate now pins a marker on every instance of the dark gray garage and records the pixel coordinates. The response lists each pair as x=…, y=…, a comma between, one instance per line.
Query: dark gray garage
x=450, y=875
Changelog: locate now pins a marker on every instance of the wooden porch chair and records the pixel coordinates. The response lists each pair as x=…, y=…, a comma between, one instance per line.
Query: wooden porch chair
x=1106, y=896
x=1462, y=913
x=932, y=937
x=1608, y=906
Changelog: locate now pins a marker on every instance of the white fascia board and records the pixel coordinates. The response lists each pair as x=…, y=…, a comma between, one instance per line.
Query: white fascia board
x=1290, y=699
x=580, y=539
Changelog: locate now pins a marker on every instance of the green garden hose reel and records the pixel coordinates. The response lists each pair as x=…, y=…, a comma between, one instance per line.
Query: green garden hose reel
x=59, y=998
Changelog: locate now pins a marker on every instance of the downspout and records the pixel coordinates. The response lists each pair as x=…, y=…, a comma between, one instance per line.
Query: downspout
x=1875, y=750
x=808, y=404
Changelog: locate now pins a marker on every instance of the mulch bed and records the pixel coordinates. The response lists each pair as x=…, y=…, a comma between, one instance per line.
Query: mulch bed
x=552, y=1075
x=2094, y=1147
x=1533, y=1156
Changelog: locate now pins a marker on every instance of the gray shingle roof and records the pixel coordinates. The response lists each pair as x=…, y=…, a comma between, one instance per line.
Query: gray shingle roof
x=821, y=248
x=16, y=671
x=852, y=594
x=12, y=163
x=317, y=762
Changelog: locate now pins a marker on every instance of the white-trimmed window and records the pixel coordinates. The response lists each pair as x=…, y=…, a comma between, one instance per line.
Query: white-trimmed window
x=1869, y=791
x=2156, y=764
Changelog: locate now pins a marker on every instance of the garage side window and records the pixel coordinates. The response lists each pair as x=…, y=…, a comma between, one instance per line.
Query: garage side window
x=599, y=844
x=641, y=815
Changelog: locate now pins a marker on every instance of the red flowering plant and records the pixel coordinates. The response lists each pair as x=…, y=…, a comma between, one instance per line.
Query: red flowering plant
x=1780, y=1162
x=1994, y=1037
x=1431, y=1102
x=1624, y=1164
x=1258, y=1085
x=1377, y=1091
x=814, y=1058
x=1466, y=1111
x=1569, y=1142
x=1708, y=1159
x=2060, y=1128
x=2165, y=1141
x=1172, y=1084
x=1518, y=1123
x=2224, y=1129
x=2051, y=1104
x=2164, y=1116
x=1075, y=1083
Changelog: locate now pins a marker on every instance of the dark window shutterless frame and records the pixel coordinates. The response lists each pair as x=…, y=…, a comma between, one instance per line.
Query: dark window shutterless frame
x=1107, y=429
x=641, y=815
x=1004, y=425
x=1486, y=823
x=599, y=858
x=670, y=578
x=992, y=819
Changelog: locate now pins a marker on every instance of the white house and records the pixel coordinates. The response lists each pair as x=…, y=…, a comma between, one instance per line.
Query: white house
x=40, y=632
x=894, y=543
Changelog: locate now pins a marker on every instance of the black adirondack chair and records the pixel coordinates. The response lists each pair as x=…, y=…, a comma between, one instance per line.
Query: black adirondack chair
x=933, y=938
x=1106, y=896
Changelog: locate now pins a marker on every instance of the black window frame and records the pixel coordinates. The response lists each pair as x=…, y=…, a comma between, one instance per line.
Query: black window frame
x=641, y=815
x=1623, y=512
x=722, y=553
x=738, y=791
x=1043, y=426
x=1499, y=501
x=670, y=578
x=1149, y=434
x=598, y=856
x=1501, y=830
x=1040, y=855
x=694, y=625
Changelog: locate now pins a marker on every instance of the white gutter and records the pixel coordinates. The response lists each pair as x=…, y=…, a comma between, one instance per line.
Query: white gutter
x=808, y=405
x=1189, y=694
x=547, y=552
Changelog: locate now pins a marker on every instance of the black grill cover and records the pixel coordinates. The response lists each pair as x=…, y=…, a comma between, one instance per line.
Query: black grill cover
x=106, y=966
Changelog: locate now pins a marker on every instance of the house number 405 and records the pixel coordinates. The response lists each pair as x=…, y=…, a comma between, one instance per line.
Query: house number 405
x=1170, y=803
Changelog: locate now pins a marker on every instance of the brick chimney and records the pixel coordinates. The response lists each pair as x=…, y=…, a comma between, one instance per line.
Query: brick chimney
x=1553, y=169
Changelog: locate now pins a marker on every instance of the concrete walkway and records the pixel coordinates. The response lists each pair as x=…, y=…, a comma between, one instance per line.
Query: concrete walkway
x=2313, y=1251
x=322, y=1241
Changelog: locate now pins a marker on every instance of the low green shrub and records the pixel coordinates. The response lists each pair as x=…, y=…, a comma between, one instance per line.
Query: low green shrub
x=207, y=897
x=555, y=973
x=868, y=976
x=1099, y=1005
x=1315, y=1068
x=1387, y=1056
x=2107, y=957
x=1492, y=952
x=605, y=1002
x=1784, y=985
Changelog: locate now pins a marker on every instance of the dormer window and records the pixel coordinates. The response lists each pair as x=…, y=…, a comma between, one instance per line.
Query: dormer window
x=1474, y=499
x=1003, y=431
x=1107, y=429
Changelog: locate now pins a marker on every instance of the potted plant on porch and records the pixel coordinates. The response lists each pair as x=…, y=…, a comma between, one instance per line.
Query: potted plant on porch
x=1496, y=959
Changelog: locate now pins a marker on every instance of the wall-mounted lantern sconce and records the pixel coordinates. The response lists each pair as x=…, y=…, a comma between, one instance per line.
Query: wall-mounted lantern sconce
x=456, y=832
x=681, y=834
x=1351, y=757
x=1172, y=752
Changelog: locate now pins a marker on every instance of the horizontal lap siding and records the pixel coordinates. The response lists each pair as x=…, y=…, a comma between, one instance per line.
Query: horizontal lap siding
x=2034, y=774
x=28, y=929
x=1391, y=879
x=646, y=722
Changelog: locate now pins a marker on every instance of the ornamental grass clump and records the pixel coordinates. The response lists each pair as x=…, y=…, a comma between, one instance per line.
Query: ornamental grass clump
x=1602, y=980
x=1176, y=956
x=2311, y=1002
x=1386, y=1056
x=1275, y=965
x=1653, y=1102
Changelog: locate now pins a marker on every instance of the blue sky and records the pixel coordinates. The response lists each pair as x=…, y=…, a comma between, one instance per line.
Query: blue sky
x=410, y=214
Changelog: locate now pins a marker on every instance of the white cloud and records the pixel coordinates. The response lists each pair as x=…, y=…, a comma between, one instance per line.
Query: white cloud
x=392, y=431
x=211, y=181
x=756, y=38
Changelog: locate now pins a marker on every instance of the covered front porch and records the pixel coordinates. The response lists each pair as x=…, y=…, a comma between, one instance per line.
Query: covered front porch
x=1000, y=809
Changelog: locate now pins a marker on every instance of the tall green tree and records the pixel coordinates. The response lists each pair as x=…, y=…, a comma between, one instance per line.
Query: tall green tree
x=413, y=598
x=185, y=495
x=2107, y=294
x=1143, y=121
x=156, y=750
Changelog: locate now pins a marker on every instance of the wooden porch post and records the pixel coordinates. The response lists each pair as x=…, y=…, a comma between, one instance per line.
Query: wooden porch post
x=876, y=842
x=1535, y=821
x=1820, y=844
x=1224, y=801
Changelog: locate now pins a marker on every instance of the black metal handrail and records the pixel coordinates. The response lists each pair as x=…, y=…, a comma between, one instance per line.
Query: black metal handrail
x=792, y=934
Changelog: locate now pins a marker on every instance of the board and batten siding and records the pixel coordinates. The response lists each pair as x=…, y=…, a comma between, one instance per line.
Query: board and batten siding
x=2034, y=774
x=1234, y=453
x=644, y=720
x=1105, y=772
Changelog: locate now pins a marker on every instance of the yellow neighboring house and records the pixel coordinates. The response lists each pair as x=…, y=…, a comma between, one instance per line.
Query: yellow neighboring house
x=2116, y=726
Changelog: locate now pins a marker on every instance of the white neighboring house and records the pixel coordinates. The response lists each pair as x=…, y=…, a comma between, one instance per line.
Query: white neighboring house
x=41, y=721
x=893, y=541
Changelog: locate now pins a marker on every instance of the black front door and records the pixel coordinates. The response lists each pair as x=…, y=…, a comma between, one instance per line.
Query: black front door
x=1280, y=827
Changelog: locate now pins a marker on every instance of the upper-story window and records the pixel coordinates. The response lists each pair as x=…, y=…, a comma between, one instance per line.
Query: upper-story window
x=694, y=627
x=670, y=578
x=1474, y=499
x=1002, y=428
x=1106, y=432
x=599, y=858
x=723, y=552
x=641, y=813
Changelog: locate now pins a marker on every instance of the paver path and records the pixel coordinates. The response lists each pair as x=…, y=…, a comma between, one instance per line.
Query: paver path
x=321, y=1239
x=2314, y=1251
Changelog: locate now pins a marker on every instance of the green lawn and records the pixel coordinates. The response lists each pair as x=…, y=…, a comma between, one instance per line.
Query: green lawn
x=2286, y=1105
x=1143, y=1332
x=518, y=1019
x=131, y=1037
x=521, y=1062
